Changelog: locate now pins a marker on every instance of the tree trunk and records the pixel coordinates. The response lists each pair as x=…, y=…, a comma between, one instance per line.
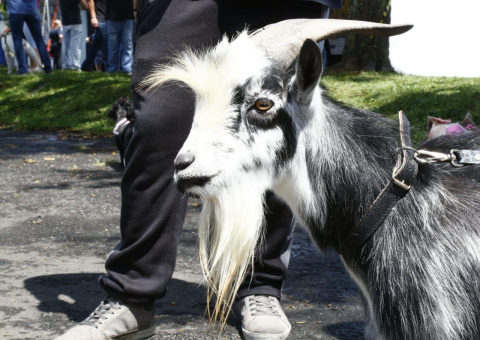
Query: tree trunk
x=365, y=52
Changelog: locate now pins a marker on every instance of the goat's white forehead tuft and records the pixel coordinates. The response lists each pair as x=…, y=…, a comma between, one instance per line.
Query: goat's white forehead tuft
x=213, y=74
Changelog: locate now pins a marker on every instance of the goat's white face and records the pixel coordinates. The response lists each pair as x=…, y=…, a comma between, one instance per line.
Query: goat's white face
x=244, y=133
x=242, y=125
x=227, y=143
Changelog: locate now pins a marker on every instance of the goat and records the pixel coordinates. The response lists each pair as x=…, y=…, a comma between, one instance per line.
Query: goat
x=263, y=122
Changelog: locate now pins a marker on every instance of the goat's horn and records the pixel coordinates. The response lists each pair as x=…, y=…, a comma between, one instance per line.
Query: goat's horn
x=283, y=40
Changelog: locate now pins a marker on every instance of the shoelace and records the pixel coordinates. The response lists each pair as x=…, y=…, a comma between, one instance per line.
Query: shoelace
x=262, y=305
x=106, y=307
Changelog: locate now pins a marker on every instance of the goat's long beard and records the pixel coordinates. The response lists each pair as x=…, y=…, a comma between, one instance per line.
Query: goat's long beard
x=230, y=230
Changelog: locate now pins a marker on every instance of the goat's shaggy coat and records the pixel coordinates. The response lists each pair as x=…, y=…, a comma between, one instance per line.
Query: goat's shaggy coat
x=420, y=272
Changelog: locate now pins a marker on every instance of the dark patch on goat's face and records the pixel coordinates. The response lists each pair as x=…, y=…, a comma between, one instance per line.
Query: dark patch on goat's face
x=280, y=137
x=289, y=145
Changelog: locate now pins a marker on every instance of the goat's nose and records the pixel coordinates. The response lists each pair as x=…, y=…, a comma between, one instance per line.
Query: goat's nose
x=183, y=161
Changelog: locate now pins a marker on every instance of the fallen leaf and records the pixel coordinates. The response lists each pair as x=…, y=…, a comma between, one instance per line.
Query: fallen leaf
x=48, y=159
x=93, y=195
x=30, y=161
x=173, y=304
x=329, y=305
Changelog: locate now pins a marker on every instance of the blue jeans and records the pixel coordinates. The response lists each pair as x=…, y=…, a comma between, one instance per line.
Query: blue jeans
x=120, y=45
x=72, y=38
x=33, y=23
x=101, y=43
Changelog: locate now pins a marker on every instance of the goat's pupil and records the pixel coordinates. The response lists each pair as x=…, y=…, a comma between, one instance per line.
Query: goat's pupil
x=263, y=104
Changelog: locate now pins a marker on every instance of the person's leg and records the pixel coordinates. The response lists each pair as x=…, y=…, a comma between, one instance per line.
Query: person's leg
x=92, y=49
x=54, y=51
x=16, y=26
x=33, y=22
x=113, y=46
x=163, y=119
x=127, y=46
x=102, y=27
x=270, y=270
x=67, y=51
x=153, y=208
x=32, y=53
x=76, y=41
x=89, y=62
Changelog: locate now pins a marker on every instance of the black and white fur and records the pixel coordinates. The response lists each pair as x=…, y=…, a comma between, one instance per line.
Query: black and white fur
x=9, y=49
x=419, y=274
x=123, y=114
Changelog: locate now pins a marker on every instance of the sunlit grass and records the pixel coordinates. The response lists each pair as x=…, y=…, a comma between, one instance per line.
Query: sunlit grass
x=418, y=97
x=63, y=101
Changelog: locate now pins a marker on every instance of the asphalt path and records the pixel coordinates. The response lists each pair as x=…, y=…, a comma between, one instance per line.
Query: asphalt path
x=59, y=219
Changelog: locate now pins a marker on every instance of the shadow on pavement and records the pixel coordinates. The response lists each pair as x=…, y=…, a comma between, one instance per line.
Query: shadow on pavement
x=346, y=330
x=17, y=144
x=77, y=295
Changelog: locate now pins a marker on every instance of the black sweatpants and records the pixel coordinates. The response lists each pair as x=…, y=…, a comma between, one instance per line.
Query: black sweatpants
x=153, y=208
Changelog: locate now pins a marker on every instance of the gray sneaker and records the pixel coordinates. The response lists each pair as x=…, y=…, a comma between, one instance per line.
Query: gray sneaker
x=114, y=320
x=263, y=318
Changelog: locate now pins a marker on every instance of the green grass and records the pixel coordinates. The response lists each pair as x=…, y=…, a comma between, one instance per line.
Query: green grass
x=418, y=97
x=64, y=101
x=77, y=102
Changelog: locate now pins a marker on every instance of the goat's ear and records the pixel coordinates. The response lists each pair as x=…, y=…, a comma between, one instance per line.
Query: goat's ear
x=309, y=70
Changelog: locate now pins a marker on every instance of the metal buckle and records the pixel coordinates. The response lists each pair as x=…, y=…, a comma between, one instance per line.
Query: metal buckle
x=453, y=159
x=401, y=184
x=397, y=170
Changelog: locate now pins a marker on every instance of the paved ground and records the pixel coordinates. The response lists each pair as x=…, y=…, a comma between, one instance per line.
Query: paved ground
x=59, y=213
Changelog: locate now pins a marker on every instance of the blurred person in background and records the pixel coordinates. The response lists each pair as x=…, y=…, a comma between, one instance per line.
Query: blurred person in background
x=56, y=38
x=3, y=61
x=119, y=16
x=22, y=12
x=72, y=32
x=97, y=9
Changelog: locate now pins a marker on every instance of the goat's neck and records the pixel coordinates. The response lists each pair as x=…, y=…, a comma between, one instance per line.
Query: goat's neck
x=343, y=159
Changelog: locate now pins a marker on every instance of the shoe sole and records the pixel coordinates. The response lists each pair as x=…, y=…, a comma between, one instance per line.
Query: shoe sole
x=258, y=336
x=146, y=333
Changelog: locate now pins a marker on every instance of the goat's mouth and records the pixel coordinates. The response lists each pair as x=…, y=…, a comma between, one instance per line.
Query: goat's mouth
x=188, y=183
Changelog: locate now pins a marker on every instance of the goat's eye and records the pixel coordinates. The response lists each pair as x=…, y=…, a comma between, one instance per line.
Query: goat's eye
x=263, y=104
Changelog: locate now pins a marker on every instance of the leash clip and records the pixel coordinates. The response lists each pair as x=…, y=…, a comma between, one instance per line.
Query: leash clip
x=425, y=157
